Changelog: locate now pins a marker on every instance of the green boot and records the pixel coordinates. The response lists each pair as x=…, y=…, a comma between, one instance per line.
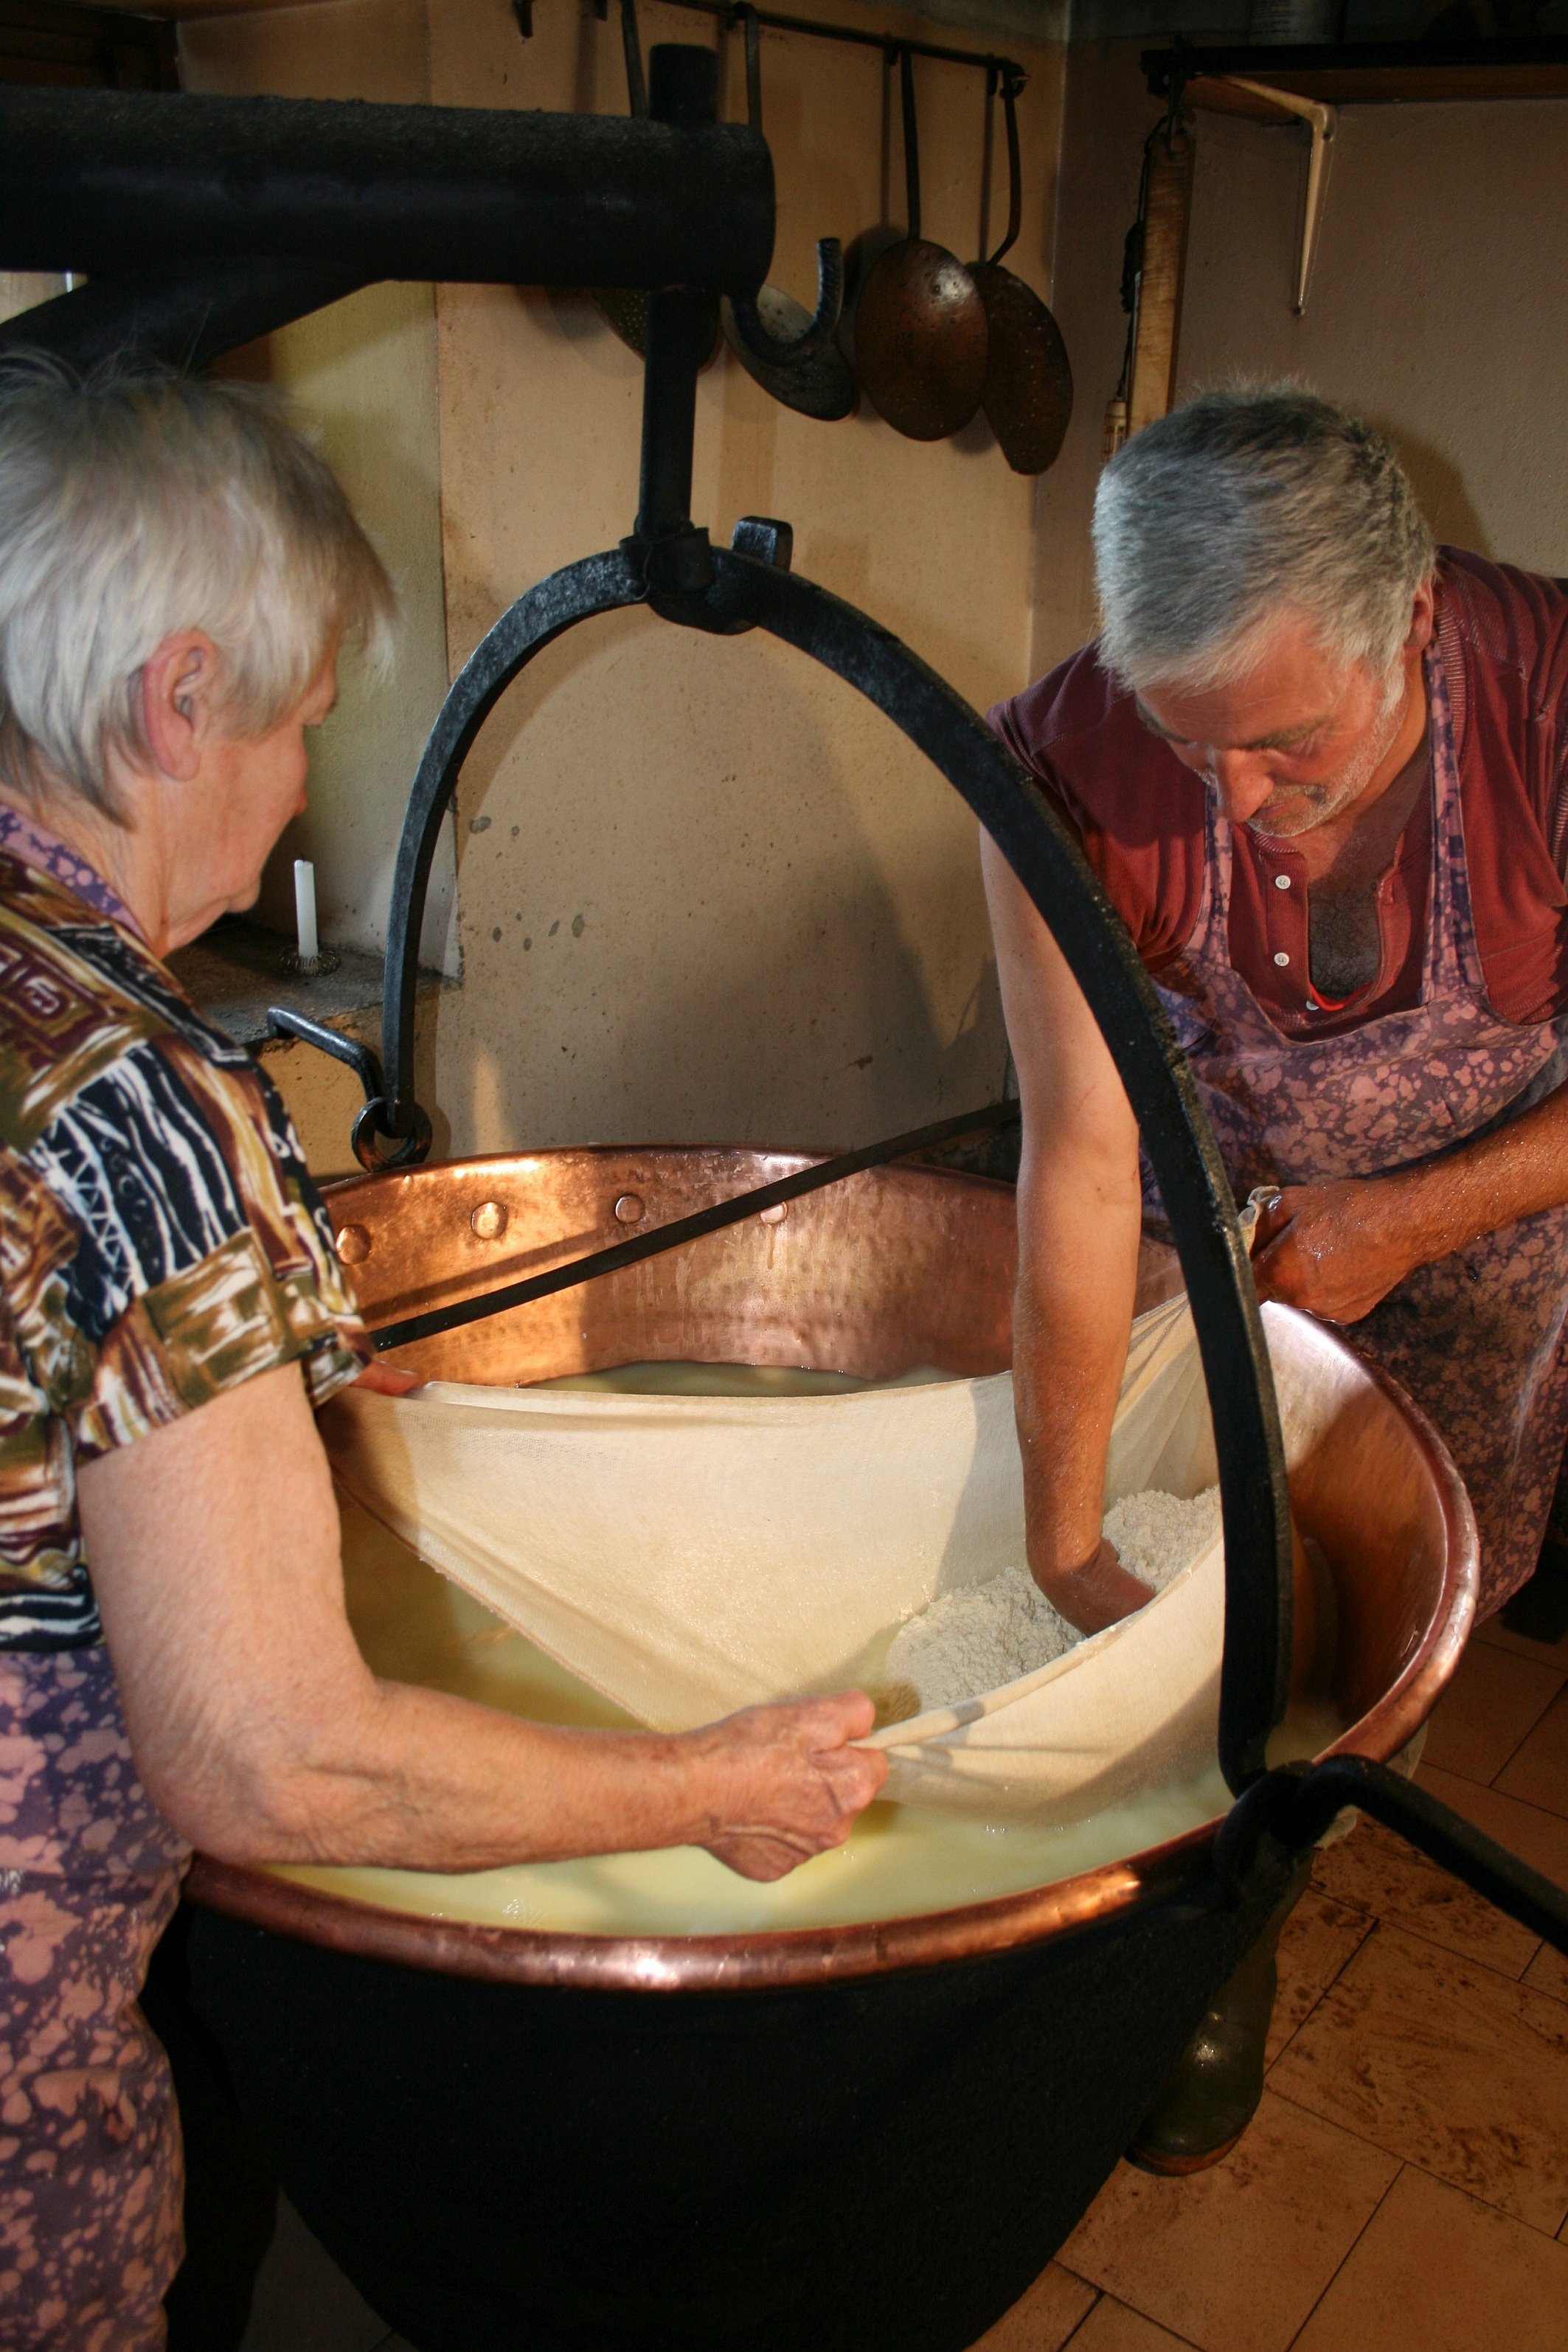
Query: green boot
x=1211, y=2094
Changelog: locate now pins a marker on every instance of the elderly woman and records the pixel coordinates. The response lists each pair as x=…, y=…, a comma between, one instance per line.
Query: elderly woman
x=177, y=573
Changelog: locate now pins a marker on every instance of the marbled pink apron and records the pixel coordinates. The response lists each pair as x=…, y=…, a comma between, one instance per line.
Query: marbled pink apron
x=90, y=2173
x=1477, y=1337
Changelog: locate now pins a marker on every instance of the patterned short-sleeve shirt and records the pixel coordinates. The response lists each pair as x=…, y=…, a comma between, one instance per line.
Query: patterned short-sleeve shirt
x=159, y=1237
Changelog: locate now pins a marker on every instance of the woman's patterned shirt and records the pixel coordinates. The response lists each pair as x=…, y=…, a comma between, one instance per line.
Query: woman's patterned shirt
x=160, y=1238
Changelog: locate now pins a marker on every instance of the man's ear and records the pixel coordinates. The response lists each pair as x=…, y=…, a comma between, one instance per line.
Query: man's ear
x=178, y=693
x=1422, y=618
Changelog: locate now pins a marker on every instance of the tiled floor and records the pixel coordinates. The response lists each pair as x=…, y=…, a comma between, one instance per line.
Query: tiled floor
x=1404, y=2185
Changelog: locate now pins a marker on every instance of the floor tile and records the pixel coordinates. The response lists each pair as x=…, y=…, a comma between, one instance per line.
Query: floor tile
x=1538, y=1774
x=1548, y=1972
x=1113, y=2326
x=1495, y=1634
x=1538, y=1837
x=1042, y=2320
x=1373, y=1871
x=1446, y=2064
x=303, y=2302
x=1436, y=2272
x=1493, y=1703
x=1319, y=1936
x=1233, y=2259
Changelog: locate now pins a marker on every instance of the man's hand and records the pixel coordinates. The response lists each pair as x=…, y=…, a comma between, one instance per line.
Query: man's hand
x=1336, y=1249
x=1099, y=1593
x=786, y=1782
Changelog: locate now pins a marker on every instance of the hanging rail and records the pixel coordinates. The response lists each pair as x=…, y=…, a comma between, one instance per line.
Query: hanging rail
x=890, y=44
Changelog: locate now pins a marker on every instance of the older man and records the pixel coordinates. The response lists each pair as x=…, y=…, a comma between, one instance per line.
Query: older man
x=1321, y=769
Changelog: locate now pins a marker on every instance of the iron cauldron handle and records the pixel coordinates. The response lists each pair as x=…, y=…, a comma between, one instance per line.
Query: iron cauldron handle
x=749, y=591
x=668, y=563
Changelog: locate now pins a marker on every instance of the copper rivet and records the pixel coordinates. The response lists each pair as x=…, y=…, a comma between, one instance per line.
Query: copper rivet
x=629, y=1209
x=353, y=1245
x=490, y=1220
x=776, y=1215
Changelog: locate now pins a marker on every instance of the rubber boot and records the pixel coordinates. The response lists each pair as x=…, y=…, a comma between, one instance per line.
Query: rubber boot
x=1212, y=2093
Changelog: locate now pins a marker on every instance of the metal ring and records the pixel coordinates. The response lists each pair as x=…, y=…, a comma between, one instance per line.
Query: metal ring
x=411, y=1149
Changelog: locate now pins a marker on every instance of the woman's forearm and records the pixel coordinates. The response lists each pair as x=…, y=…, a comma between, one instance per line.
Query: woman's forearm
x=419, y=1780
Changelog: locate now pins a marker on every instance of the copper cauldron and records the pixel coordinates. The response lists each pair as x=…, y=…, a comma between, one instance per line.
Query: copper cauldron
x=854, y=2139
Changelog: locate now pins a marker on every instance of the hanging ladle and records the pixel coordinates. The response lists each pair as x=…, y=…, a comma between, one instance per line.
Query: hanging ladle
x=1027, y=390
x=776, y=340
x=625, y=308
x=921, y=336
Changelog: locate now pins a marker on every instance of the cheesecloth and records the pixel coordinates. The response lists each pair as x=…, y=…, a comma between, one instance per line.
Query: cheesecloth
x=688, y=1556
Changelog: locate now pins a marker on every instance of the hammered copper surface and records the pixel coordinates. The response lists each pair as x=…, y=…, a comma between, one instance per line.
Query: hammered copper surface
x=1027, y=389
x=899, y=1266
x=921, y=340
x=895, y=1267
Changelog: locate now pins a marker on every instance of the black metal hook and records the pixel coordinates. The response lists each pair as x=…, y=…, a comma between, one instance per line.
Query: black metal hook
x=775, y=351
x=1012, y=82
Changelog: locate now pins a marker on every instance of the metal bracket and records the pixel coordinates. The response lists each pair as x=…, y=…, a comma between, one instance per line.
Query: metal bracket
x=1322, y=123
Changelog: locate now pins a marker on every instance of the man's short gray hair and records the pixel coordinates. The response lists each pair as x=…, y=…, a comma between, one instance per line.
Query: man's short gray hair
x=1241, y=507
x=136, y=502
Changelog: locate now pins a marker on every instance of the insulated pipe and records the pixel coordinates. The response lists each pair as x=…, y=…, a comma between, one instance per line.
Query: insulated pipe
x=106, y=180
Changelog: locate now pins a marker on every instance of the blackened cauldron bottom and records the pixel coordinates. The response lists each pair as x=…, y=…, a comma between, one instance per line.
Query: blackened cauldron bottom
x=882, y=2164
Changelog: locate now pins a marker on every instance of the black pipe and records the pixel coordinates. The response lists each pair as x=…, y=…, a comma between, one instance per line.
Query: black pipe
x=99, y=180
x=683, y=89
x=185, y=316
x=1296, y=1803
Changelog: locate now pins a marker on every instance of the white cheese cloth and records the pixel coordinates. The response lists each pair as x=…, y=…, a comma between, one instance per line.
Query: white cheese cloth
x=688, y=1555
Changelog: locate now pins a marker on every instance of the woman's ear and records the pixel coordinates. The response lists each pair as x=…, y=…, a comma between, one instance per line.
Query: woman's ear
x=178, y=693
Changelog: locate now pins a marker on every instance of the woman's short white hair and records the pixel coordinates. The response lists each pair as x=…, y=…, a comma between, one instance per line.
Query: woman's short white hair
x=136, y=502
x=1241, y=507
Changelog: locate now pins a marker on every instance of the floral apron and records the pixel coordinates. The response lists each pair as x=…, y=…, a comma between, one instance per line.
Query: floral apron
x=90, y=2171
x=1476, y=1339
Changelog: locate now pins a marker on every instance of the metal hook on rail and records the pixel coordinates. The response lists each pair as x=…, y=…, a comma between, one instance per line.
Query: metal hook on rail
x=775, y=351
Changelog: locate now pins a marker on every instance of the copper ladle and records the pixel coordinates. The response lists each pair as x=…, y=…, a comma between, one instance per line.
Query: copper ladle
x=1027, y=390
x=920, y=334
x=777, y=340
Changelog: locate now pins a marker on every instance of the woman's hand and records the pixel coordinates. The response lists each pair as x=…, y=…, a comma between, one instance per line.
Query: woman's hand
x=785, y=1782
x=1335, y=1249
x=1099, y=1593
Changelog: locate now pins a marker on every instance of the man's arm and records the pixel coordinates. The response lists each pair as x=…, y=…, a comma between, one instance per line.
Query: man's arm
x=1079, y=1212
x=263, y=1736
x=1338, y=1248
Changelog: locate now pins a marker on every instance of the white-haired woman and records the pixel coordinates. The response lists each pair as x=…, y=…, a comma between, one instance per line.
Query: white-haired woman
x=177, y=573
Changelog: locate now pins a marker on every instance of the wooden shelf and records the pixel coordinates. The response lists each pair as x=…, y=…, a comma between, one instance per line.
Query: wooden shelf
x=1364, y=73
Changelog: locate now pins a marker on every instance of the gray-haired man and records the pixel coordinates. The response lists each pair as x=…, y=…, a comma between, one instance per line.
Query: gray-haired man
x=1321, y=769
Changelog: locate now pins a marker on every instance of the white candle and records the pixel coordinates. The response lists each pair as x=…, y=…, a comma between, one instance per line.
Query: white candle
x=305, y=909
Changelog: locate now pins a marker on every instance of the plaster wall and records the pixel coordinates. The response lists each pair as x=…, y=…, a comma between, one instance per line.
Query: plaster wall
x=1427, y=311
x=361, y=376
x=704, y=890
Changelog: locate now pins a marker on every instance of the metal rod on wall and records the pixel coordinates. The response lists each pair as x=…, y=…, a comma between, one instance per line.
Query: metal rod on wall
x=890, y=44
